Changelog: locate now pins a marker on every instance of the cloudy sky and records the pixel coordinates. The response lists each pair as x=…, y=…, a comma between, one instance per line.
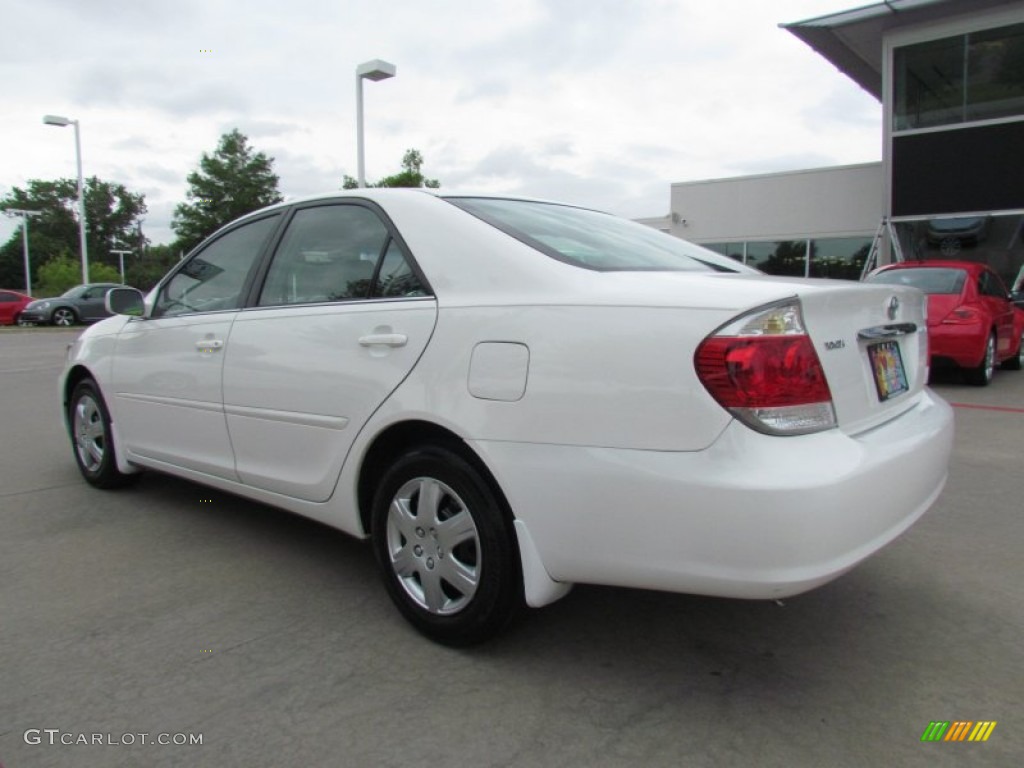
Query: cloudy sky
x=597, y=102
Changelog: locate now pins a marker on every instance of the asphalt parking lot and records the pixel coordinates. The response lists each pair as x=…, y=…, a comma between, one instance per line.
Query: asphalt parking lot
x=171, y=609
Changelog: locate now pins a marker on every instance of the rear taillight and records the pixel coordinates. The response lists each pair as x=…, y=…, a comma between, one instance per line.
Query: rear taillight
x=762, y=367
x=962, y=316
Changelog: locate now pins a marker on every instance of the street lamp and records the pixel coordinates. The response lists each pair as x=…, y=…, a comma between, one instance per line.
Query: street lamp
x=371, y=70
x=63, y=122
x=24, y=242
x=121, y=255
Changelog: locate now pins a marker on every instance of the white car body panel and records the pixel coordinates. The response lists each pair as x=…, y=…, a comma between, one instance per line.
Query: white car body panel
x=618, y=465
x=299, y=383
x=166, y=384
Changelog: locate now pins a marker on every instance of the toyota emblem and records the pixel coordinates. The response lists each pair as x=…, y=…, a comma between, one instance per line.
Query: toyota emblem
x=894, y=307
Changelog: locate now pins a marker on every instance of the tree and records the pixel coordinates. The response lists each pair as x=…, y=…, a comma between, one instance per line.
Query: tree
x=231, y=182
x=112, y=215
x=146, y=268
x=411, y=175
x=64, y=271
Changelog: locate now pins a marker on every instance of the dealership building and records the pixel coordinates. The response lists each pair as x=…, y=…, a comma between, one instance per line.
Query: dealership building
x=950, y=77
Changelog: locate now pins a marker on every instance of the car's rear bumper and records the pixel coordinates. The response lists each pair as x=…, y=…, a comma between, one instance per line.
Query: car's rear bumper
x=753, y=516
x=962, y=345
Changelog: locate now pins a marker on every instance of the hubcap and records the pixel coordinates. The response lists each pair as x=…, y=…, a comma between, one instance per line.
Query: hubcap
x=990, y=358
x=90, y=438
x=63, y=317
x=434, y=546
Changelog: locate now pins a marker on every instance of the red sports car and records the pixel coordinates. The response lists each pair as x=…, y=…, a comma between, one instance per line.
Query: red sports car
x=972, y=322
x=11, y=304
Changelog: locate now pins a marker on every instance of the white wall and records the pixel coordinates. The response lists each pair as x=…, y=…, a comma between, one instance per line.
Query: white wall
x=841, y=201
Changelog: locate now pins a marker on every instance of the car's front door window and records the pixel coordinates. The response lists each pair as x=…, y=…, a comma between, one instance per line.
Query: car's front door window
x=214, y=278
x=328, y=253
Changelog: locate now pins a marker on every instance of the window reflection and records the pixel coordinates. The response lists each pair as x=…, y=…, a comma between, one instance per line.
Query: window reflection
x=992, y=240
x=839, y=257
x=977, y=76
x=785, y=257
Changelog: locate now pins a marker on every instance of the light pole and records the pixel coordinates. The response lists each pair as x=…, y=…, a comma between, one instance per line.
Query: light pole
x=120, y=258
x=371, y=70
x=64, y=122
x=24, y=242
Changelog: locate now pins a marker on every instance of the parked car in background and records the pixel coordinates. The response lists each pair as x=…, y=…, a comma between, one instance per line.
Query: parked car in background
x=952, y=233
x=12, y=304
x=81, y=304
x=972, y=321
x=510, y=396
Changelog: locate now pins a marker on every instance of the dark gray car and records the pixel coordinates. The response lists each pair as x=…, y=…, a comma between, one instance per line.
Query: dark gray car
x=81, y=304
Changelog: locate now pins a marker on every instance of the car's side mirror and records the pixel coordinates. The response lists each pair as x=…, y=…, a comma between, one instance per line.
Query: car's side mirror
x=125, y=301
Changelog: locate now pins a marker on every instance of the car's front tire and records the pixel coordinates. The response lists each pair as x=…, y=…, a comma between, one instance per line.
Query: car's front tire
x=446, y=547
x=981, y=376
x=64, y=317
x=92, y=438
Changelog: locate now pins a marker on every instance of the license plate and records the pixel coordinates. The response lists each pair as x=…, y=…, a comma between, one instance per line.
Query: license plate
x=887, y=368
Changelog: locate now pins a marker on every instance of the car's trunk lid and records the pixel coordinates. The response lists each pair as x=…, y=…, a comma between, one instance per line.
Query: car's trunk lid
x=872, y=343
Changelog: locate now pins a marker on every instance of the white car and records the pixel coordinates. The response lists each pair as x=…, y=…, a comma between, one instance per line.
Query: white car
x=511, y=396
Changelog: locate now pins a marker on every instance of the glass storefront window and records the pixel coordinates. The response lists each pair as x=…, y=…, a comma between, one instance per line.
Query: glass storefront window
x=732, y=250
x=995, y=73
x=839, y=257
x=992, y=240
x=787, y=257
x=929, y=80
x=977, y=76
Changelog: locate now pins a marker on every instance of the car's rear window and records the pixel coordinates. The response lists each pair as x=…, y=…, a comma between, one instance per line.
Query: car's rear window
x=933, y=280
x=594, y=240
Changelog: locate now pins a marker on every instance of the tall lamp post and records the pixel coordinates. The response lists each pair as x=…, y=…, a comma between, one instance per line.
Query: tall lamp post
x=64, y=122
x=371, y=70
x=120, y=257
x=24, y=242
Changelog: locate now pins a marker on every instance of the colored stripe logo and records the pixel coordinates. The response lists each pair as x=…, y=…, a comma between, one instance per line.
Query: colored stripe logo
x=958, y=730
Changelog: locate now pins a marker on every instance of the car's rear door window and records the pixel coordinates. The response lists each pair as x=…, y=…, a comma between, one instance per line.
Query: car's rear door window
x=338, y=252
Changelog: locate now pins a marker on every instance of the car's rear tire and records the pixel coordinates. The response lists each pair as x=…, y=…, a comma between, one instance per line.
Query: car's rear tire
x=981, y=376
x=64, y=317
x=1016, y=362
x=446, y=547
x=92, y=439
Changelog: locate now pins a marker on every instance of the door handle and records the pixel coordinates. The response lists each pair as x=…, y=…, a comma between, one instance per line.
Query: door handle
x=209, y=345
x=384, y=339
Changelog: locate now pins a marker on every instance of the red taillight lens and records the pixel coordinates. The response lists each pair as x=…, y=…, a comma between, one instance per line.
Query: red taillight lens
x=763, y=368
x=962, y=316
x=762, y=371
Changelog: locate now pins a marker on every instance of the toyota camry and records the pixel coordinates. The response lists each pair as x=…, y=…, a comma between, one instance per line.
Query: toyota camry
x=510, y=396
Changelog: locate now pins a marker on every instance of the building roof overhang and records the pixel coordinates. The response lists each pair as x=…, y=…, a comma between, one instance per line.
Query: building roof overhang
x=852, y=40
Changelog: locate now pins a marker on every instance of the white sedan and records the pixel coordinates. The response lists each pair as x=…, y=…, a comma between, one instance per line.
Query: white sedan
x=511, y=396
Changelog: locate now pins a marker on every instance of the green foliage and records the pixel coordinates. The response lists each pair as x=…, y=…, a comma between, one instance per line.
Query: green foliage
x=112, y=218
x=145, y=270
x=411, y=175
x=231, y=182
x=63, y=272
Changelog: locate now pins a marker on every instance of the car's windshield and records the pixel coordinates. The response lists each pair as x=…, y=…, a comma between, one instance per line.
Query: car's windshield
x=72, y=293
x=932, y=280
x=594, y=240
